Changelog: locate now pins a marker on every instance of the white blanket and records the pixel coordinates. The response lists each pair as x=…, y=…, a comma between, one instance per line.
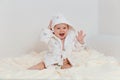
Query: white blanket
x=90, y=65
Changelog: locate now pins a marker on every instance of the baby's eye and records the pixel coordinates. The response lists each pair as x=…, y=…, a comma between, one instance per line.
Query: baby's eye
x=58, y=28
x=64, y=28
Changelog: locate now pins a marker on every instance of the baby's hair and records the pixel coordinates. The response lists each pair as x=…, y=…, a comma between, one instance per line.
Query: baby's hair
x=63, y=23
x=68, y=26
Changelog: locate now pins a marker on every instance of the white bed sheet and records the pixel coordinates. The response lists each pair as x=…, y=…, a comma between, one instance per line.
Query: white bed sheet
x=90, y=65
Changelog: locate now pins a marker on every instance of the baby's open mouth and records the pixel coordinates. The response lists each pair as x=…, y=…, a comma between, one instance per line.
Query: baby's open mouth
x=62, y=34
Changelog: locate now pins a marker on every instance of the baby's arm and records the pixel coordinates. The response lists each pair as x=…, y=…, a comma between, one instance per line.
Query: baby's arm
x=45, y=35
x=79, y=41
x=80, y=37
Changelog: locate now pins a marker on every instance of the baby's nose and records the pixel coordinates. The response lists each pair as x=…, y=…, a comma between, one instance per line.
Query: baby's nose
x=61, y=30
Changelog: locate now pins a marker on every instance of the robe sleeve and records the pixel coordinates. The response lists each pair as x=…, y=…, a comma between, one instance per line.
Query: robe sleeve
x=54, y=54
x=45, y=35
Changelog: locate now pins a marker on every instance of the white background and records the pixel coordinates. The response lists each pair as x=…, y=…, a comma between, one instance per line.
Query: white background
x=109, y=17
x=22, y=20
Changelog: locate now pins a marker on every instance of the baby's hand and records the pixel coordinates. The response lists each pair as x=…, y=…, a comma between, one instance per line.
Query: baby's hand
x=80, y=37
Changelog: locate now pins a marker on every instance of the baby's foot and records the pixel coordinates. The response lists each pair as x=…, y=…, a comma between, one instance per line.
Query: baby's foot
x=66, y=66
x=39, y=66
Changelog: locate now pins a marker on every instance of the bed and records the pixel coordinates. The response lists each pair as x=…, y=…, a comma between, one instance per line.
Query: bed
x=98, y=62
x=90, y=65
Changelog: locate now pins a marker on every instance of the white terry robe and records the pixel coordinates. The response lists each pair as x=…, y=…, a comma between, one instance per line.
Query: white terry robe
x=55, y=53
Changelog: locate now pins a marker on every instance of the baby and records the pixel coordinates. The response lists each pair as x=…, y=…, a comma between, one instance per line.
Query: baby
x=62, y=40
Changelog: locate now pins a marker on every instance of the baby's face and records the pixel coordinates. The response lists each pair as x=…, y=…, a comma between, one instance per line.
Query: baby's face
x=61, y=30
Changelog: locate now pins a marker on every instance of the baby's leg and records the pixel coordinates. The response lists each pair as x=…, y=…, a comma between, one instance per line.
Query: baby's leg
x=38, y=66
x=66, y=64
